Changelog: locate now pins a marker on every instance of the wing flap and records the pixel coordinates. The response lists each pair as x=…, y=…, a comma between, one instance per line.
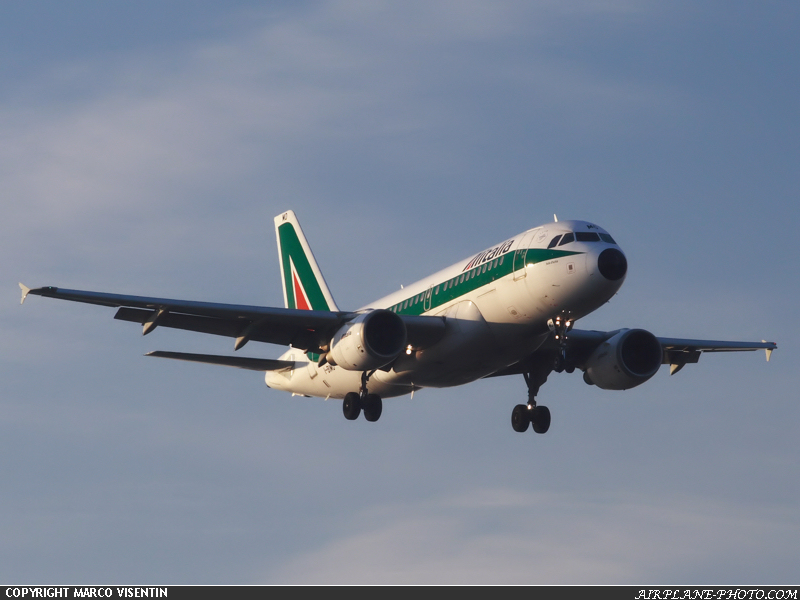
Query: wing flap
x=212, y=325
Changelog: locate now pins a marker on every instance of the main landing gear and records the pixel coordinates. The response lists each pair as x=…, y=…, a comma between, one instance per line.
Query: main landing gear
x=355, y=402
x=531, y=413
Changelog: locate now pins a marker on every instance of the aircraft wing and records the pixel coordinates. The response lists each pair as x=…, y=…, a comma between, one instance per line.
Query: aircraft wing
x=583, y=339
x=677, y=352
x=304, y=329
x=684, y=345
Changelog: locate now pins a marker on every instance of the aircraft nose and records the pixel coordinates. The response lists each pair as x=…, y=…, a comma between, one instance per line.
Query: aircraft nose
x=612, y=264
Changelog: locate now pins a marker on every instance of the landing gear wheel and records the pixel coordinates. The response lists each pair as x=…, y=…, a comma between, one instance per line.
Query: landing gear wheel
x=351, y=407
x=520, y=418
x=540, y=418
x=373, y=406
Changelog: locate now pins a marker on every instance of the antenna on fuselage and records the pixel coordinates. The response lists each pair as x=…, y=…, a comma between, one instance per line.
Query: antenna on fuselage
x=555, y=218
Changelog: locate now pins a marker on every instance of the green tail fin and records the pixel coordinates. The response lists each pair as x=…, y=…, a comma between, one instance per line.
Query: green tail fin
x=304, y=286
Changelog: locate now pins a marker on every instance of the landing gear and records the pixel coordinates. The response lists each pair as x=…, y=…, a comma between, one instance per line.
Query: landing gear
x=373, y=406
x=351, y=407
x=520, y=419
x=525, y=414
x=540, y=419
x=354, y=402
x=531, y=413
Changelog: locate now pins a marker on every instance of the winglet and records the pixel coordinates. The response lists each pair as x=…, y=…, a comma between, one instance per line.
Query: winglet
x=25, y=289
x=767, y=350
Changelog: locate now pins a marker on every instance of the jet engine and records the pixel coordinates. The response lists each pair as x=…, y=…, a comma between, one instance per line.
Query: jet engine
x=625, y=360
x=370, y=341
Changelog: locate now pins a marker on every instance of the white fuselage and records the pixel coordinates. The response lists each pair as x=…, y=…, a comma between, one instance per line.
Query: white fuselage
x=497, y=305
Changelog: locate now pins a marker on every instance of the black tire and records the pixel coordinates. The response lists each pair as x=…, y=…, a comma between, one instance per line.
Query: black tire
x=541, y=419
x=520, y=418
x=351, y=406
x=373, y=407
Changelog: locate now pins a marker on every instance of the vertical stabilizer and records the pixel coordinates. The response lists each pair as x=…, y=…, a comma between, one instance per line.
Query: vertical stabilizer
x=304, y=286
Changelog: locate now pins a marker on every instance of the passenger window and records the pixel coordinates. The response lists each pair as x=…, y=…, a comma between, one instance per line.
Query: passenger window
x=554, y=242
x=567, y=239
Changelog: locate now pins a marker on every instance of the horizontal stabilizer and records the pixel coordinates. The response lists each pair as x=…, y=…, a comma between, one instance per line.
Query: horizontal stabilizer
x=253, y=364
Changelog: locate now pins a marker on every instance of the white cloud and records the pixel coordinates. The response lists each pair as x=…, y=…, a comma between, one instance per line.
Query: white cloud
x=504, y=536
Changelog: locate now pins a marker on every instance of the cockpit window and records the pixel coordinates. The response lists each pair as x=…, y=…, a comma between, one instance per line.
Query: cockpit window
x=607, y=238
x=580, y=236
x=554, y=242
x=568, y=238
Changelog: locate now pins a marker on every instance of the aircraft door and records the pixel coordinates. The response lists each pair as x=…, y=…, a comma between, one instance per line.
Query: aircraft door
x=521, y=253
x=428, y=299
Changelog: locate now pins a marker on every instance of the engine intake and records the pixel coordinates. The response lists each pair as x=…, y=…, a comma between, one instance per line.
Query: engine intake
x=370, y=341
x=625, y=360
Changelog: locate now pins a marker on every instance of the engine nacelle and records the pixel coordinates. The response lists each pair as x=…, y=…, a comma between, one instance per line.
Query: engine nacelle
x=625, y=360
x=370, y=341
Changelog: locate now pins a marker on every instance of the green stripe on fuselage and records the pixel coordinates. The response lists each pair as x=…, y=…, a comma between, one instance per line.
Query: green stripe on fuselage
x=474, y=278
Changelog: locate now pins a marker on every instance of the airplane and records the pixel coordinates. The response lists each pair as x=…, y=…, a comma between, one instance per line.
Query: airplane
x=507, y=310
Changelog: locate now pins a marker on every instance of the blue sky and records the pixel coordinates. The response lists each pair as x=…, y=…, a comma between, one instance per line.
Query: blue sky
x=145, y=149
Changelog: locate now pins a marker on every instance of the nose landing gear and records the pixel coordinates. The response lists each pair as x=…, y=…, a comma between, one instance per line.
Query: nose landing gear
x=560, y=326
